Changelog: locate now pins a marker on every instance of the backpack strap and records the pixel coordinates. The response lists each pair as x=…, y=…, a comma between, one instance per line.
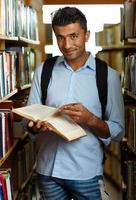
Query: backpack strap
x=102, y=84
x=45, y=76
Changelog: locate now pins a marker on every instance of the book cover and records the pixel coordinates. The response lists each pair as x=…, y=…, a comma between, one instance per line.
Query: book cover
x=6, y=126
x=2, y=128
x=4, y=188
x=61, y=124
x=1, y=138
x=5, y=177
x=129, y=10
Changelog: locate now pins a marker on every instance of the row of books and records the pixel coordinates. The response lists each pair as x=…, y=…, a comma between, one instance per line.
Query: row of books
x=129, y=175
x=6, y=190
x=130, y=126
x=114, y=147
x=7, y=73
x=26, y=157
x=31, y=191
x=9, y=132
x=25, y=64
x=113, y=58
x=16, y=68
x=24, y=152
x=112, y=166
x=24, y=167
x=130, y=73
x=112, y=169
x=109, y=36
x=17, y=19
x=6, y=131
x=129, y=19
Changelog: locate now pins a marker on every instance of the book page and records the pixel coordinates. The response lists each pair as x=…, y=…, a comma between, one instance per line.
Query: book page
x=35, y=112
x=66, y=127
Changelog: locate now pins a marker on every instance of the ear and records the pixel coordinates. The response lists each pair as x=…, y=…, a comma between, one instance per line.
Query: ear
x=87, y=35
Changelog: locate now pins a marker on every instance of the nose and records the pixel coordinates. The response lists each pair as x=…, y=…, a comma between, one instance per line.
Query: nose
x=67, y=43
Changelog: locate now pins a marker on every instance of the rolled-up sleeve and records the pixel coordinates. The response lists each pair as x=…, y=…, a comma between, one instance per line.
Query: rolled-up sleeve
x=115, y=108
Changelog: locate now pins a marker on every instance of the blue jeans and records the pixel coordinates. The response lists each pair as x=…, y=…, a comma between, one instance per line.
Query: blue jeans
x=60, y=189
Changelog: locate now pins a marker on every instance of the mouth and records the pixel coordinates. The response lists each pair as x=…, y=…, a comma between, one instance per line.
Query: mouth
x=69, y=53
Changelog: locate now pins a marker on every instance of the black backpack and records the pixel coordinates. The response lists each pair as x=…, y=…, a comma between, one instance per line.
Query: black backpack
x=101, y=80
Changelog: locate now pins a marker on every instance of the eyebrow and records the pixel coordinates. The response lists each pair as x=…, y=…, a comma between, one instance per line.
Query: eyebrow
x=74, y=33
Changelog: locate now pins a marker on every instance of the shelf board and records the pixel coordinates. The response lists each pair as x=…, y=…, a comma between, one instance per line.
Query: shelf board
x=23, y=39
x=2, y=160
x=111, y=47
x=117, y=47
x=8, y=96
x=22, y=137
x=131, y=40
x=82, y=2
x=19, y=38
x=4, y=37
x=26, y=86
x=131, y=95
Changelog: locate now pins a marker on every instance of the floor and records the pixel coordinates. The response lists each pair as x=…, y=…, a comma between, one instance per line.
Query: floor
x=114, y=193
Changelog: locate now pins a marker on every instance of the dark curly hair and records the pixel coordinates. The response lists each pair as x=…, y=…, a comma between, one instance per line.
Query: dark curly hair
x=68, y=15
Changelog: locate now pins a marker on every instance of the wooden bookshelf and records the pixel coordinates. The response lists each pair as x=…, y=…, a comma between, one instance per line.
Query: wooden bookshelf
x=83, y=2
x=124, y=52
x=15, y=43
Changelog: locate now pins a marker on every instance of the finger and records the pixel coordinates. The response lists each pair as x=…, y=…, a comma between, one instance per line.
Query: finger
x=72, y=113
x=68, y=106
x=38, y=124
x=74, y=107
x=50, y=128
x=47, y=126
x=76, y=119
x=30, y=124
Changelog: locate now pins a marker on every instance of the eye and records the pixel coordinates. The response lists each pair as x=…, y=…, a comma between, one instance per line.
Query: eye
x=60, y=38
x=74, y=36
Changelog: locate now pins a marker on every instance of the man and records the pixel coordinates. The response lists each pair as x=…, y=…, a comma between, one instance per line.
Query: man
x=69, y=170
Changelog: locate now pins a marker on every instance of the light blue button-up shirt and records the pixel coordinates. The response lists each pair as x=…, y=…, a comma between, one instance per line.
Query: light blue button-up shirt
x=82, y=158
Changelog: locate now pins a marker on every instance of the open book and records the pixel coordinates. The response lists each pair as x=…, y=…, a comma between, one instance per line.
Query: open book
x=61, y=124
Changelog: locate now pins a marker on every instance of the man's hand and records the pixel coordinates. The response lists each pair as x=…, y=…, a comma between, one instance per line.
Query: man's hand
x=77, y=112
x=83, y=116
x=39, y=126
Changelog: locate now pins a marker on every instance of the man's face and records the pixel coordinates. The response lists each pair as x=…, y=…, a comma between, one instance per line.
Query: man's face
x=71, y=40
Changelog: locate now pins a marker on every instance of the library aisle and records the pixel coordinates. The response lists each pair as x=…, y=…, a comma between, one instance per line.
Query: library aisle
x=114, y=193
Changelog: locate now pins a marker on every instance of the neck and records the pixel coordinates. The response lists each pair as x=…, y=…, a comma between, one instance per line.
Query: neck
x=79, y=62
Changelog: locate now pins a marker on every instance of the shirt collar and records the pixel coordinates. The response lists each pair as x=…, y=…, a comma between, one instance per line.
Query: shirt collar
x=90, y=63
